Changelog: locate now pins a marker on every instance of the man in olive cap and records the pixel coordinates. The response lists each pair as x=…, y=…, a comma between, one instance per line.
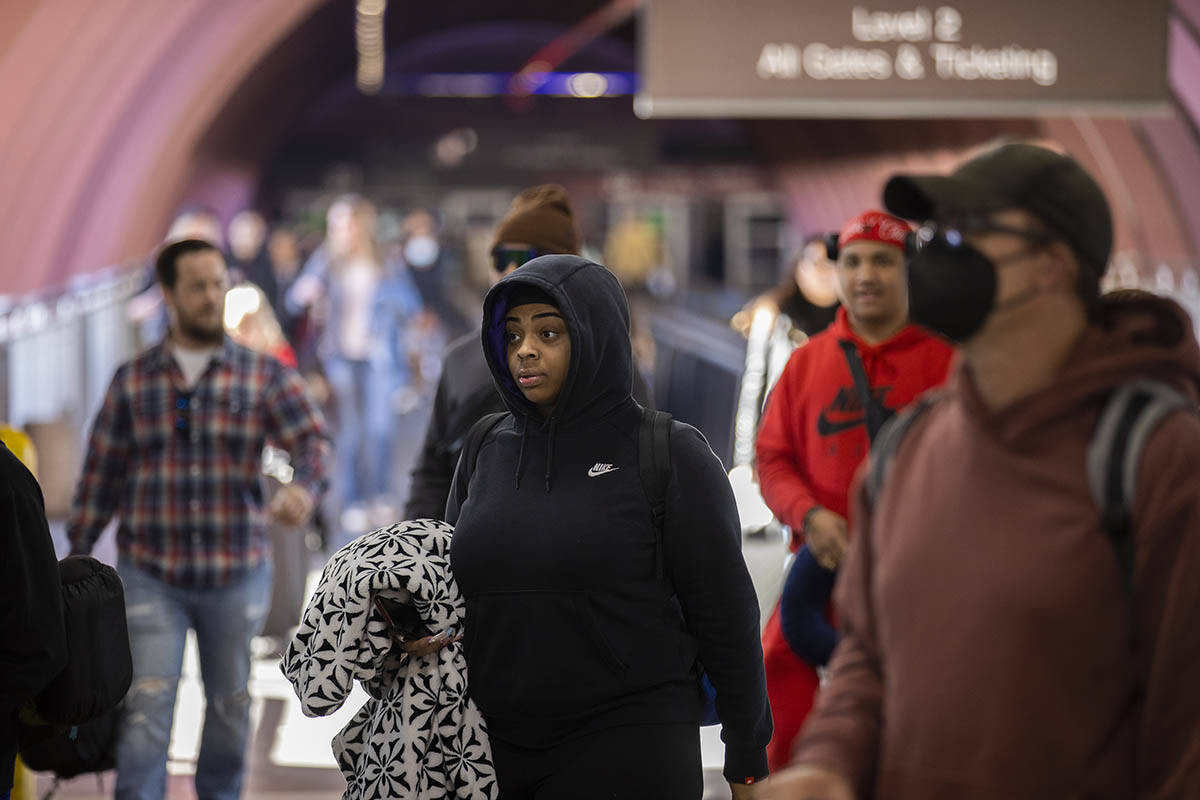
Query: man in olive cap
x=1017, y=612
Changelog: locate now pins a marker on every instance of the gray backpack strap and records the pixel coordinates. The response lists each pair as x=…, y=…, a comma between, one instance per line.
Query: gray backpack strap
x=1130, y=415
x=888, y=442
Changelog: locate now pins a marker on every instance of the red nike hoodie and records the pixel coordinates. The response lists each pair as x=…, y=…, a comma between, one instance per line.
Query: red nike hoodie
x=812, y=440
x=814, y=434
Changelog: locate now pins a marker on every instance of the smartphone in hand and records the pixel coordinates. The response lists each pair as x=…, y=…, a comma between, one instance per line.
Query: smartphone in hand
x=403, y=621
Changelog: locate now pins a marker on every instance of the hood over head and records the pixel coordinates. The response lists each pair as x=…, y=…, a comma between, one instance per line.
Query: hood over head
x=593, y=305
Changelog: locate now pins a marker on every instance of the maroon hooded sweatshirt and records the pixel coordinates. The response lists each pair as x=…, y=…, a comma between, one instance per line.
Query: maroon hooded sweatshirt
x=984, y=651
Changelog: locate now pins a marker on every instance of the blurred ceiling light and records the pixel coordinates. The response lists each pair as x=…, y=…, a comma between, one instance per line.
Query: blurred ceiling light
x=456, y=145
x=594, y=25
x=458, y=85
x=587, y=84
x=240, y=301
x=531, y=76
x=369, y=40
x=491, y=84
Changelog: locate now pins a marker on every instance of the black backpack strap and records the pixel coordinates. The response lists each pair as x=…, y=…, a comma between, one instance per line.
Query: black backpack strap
x=484, y=401
x=1129, y=417
x=474, y=439
x=885, y=445
x=877, y=413
x=654, y=465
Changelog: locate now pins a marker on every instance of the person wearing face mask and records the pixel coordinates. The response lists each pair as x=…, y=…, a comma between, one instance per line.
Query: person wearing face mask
x=422, y=253
x=247, y=254
x=817, y=429
x=995, y=641
x=585, y=621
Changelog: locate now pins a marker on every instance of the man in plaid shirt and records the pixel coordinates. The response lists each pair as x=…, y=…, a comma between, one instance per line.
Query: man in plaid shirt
x=175, y=453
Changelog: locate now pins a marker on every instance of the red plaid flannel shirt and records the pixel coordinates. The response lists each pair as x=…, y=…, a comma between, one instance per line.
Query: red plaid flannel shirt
x=182, y=469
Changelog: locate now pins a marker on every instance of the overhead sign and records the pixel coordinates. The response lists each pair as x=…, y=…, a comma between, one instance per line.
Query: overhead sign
x=831, y=58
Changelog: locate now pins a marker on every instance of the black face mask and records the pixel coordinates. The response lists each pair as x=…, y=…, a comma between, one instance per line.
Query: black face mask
x=951, y=290
x=952, y=285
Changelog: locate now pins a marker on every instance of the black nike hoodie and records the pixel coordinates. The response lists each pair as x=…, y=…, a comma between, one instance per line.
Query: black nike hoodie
x=569, y=629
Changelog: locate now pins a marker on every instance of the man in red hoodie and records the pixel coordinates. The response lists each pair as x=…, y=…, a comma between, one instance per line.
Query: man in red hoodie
x=814, y=434
x=997, y=642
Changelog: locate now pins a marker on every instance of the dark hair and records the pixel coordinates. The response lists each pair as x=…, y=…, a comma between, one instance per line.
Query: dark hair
x=1087, y=282
x=167, y=262
x=1087, y=286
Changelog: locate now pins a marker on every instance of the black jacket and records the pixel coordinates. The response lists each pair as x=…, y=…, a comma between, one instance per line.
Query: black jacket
x=569, y=629
x=33, y=640
x=465, y=393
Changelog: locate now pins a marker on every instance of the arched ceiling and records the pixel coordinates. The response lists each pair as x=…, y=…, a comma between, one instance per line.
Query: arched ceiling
x=116, y=111
x=103, y=105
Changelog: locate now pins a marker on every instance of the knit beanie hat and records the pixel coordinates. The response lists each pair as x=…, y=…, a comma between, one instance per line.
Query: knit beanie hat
x=875, y=226
x=540, y=217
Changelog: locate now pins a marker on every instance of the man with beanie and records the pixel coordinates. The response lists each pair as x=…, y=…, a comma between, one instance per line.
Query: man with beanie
x=539, y=222
x=817, y=427
x=1005, y=632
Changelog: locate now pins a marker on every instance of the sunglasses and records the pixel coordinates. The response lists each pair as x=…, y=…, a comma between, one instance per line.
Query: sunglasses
x=503, y=257
x=954, y=233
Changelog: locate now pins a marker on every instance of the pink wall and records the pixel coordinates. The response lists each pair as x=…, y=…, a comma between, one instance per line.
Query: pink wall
x=103, y=103
x=1150, y=170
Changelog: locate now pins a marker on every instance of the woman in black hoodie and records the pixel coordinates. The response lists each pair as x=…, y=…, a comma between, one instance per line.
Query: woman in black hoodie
x=583, y=651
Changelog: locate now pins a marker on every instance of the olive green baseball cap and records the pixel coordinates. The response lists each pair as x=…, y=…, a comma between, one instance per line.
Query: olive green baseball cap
x=1048, y=184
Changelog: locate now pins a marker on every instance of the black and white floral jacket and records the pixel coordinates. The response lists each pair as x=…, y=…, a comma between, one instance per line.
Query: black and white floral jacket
x=419, y=736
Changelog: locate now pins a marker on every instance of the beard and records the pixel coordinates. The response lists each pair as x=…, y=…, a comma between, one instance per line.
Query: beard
x=201, y=331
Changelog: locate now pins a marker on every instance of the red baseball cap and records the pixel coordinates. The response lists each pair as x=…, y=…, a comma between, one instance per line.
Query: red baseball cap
x=875, y=226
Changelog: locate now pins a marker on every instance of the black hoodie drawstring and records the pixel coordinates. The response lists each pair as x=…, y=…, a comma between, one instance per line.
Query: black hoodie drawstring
x=521, y=455
x=550, y=452
x=553, y=425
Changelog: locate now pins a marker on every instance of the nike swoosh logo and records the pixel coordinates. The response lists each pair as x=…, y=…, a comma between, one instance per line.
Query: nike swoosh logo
x=601, y=469
x=826, y=427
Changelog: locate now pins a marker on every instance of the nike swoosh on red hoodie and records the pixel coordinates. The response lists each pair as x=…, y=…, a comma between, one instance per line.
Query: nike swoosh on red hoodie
x=813, y=436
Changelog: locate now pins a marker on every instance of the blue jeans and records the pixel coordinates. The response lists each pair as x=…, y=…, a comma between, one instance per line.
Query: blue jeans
x=363, y=446
x=225, y=620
